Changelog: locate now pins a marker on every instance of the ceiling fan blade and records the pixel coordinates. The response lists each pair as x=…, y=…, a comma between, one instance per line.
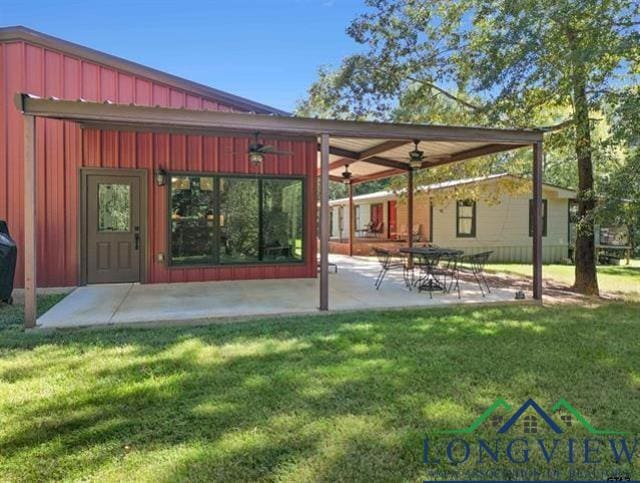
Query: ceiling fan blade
x=235, y=153
x=278, y=153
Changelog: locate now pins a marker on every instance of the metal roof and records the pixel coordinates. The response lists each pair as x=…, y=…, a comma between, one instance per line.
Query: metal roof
x=388, y=194
x=20, y=33
x=373, y=150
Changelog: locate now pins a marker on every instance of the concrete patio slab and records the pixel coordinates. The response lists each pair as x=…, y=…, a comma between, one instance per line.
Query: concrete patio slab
x=90, y=305
x=349, y=289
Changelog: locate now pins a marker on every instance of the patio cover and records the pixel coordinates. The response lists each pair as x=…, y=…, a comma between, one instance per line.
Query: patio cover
x=372, y=150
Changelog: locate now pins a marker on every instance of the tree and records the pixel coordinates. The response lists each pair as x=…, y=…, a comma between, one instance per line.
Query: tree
x=505, y=62
x=622, y=186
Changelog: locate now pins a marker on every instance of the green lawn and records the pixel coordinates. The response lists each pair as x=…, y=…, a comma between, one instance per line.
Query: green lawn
x=622, y=279
x=12, y=316
x=347, y=397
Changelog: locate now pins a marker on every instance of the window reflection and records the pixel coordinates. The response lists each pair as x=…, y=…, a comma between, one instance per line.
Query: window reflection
x=238, y=220
x=192, y=227
x=282, y=220
x=232, y=219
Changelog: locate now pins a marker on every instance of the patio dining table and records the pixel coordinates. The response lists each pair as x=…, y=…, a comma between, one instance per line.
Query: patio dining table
x=429, y=258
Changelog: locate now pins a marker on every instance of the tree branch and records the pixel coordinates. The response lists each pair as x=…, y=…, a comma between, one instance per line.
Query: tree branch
x=557, y=127
x=446, y=93
x=561, y=125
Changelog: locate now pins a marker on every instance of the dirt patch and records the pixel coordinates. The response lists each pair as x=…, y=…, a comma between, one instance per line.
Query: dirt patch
x=554, y=292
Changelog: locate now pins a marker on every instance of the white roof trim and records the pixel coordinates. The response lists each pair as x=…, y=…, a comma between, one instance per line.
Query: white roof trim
x=388, y=194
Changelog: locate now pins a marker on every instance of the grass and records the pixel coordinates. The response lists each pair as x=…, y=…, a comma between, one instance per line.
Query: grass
x=621, y=279
x=12, y=316
x=348, y=397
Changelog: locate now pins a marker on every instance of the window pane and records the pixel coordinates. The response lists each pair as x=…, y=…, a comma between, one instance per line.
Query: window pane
x=465, y=211
x=114, y=207
x=238, y=220
x=191, y=220
x=282, y=225
x=464, y=226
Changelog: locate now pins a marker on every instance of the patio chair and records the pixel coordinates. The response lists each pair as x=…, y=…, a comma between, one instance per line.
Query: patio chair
x=474, y=264
x=448, y=270
x=416, y=232
x=402, y=233
x=389, y=261
x=363, y=232
x=377, y=228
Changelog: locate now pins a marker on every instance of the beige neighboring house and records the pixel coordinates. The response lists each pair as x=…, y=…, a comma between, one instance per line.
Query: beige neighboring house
x=501, y=224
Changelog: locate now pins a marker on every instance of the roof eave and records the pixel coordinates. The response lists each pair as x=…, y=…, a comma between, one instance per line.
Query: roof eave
x=146, y=117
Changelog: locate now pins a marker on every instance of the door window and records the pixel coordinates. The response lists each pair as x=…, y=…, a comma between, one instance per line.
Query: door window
x=114, y=207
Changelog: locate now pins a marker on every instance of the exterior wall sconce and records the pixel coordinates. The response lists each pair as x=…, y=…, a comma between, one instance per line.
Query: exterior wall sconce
x=161, y=177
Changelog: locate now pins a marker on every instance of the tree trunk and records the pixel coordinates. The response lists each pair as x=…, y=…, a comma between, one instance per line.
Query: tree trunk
x=586, y=281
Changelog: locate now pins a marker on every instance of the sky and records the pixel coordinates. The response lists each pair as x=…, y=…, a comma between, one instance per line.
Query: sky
x=266, y=50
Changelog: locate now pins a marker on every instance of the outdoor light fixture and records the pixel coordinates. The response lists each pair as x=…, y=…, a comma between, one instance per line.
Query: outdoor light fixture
x=416, y=157
x=257, y=151
x=256, y=157
x=161, y=176
x=346, y=175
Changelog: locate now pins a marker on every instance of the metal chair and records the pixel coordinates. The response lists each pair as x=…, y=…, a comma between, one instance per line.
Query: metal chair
x=415, y=233
x=474, y=264
x=448, y=271
x=388, y=261
x=377, y=229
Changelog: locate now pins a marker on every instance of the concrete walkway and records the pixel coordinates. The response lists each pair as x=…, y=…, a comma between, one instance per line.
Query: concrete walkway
x=349, y=289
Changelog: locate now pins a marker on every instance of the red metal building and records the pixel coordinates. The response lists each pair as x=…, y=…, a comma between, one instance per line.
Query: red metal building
x=187, y=228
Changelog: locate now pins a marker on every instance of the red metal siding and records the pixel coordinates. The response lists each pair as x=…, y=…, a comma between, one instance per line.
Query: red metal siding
x=63, y=148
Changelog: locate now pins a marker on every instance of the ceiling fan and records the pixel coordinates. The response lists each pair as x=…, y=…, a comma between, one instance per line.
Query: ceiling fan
x=416, y=157
x=257, y=151
x=346, y=175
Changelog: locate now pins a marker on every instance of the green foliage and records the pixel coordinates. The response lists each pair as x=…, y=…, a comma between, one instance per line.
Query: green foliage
x=621, y=205
x=555, y=64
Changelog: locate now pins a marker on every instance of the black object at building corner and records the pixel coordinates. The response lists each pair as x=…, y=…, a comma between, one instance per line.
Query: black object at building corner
x=8, y=255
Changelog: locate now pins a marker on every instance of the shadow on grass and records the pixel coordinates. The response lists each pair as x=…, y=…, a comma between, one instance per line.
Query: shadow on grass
x=620, y=270
x=346, y=397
